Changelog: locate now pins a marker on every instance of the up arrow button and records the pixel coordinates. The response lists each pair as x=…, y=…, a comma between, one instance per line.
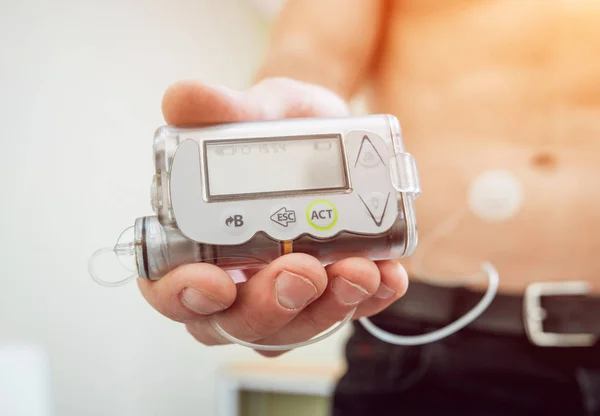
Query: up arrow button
x=284, y=217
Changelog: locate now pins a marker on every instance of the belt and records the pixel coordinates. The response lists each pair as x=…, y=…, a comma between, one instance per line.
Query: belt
x=558, y=314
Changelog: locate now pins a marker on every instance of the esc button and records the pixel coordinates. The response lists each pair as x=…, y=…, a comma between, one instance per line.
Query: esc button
x=321, y=215
x=283, y=216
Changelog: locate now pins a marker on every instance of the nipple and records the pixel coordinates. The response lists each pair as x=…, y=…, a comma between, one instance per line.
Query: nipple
x=495, y=195
x=116, y=265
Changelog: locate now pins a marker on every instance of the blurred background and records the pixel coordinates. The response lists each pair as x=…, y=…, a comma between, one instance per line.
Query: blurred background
x=81, y=84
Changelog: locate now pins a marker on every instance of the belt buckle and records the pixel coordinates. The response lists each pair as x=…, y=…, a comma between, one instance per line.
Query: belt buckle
x=534, y=314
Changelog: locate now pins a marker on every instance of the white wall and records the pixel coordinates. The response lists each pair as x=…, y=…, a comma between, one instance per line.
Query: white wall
x=80, y=90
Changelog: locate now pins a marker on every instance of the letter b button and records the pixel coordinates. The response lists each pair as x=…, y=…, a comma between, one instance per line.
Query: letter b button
x=233, y=221
x=321, y=215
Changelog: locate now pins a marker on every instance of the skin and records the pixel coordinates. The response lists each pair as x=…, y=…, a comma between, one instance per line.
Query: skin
x=477, y=85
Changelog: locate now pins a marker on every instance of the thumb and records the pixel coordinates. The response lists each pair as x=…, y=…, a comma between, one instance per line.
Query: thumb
x=192, y=102
x=276, y=98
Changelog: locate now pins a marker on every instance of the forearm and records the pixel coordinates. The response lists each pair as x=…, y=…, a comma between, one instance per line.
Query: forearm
x=331, y=44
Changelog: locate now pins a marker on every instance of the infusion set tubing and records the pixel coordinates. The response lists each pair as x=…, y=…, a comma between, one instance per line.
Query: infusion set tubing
x=162, y=242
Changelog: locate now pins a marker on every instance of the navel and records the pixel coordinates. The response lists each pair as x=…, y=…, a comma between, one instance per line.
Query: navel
x=544, y=161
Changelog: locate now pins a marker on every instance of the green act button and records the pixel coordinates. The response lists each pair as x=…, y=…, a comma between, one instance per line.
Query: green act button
x=321, y=215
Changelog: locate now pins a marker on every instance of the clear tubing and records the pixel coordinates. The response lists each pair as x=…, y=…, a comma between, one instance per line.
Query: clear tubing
x=446, y=331
x=379, y=333
x=285, y=347
x=123, y=249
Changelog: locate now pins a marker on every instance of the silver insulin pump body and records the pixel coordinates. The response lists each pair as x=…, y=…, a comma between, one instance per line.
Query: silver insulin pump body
x=240, y=195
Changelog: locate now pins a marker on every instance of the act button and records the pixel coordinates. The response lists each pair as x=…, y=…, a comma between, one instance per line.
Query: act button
x=321, y=215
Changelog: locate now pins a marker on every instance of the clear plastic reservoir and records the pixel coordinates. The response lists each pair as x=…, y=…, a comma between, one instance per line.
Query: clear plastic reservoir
x=160, y=249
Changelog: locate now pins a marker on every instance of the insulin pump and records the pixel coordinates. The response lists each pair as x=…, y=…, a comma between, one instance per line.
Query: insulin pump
x=240, y=195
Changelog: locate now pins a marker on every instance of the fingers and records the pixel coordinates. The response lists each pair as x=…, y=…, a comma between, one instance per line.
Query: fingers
x=351, y=281
x=192, y=102
x=190, y=292
x=354, y=283
x=291, y=300
x=393, y=285
x=268, y=301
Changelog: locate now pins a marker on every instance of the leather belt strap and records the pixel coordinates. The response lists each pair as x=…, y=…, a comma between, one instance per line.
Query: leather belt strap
x=439, y=306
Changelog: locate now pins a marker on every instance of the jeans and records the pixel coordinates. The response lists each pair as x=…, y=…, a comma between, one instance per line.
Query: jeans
x=468, y=373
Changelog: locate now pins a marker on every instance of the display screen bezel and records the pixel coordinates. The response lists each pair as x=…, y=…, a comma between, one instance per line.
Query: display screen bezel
x=345, y=188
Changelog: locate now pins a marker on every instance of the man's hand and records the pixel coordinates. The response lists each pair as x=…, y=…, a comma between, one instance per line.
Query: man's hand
x=294, y=298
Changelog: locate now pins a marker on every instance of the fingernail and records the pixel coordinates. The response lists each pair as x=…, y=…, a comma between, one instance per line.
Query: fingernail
x=348, y=293
x=384, y=292
x=200, y=302
x=293, y=291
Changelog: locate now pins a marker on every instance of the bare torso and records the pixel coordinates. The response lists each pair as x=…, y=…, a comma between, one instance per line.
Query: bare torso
x=503, y=84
